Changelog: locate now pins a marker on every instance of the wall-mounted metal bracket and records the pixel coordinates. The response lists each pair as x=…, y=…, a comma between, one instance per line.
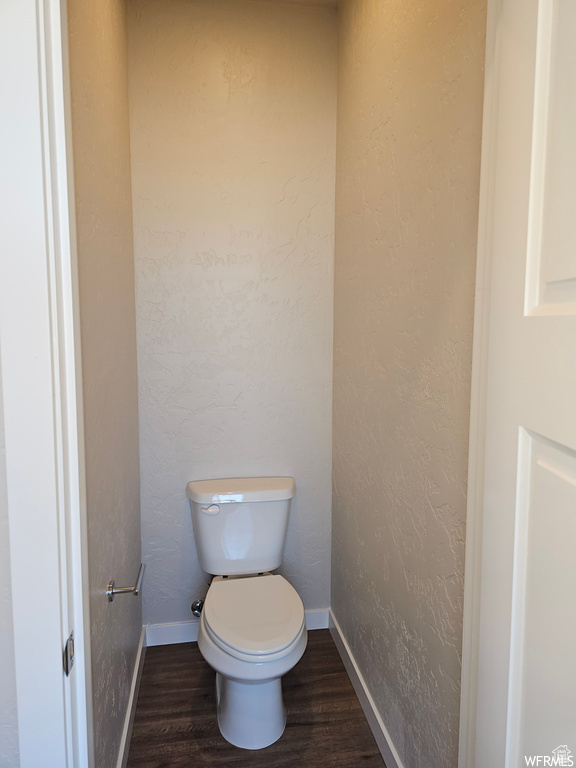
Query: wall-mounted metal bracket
x=135, y=590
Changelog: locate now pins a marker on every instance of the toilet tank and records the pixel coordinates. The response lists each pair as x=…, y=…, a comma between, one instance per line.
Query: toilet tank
x=240, y=523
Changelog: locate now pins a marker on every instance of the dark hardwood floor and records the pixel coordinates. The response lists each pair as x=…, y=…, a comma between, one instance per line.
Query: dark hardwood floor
x=175, y=724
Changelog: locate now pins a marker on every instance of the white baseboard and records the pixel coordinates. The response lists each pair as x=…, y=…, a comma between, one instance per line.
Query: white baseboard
x=317, y=618
x=131, y=708
x=169, y=634
x=379, y=730
x=187, y=631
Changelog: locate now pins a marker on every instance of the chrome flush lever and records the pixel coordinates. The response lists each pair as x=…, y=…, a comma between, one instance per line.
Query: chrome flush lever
x=213, y=509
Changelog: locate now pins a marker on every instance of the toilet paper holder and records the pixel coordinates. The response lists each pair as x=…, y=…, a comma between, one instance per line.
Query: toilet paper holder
x=135, y=590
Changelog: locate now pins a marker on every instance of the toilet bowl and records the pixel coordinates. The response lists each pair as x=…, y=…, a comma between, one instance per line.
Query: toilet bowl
x=252, y=628
x=252, y=631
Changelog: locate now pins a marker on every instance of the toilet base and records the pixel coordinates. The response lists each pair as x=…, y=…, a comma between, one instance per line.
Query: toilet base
x=251, y=715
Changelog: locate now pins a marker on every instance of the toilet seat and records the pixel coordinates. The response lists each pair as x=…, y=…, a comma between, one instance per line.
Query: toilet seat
x=254, y=619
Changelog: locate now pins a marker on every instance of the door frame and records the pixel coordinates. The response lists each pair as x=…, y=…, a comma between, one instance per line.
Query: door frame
x=477, y=438
x=42, y=389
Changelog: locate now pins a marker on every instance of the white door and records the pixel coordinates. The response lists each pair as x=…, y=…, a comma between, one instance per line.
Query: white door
x=526, y=687
x=41, y=407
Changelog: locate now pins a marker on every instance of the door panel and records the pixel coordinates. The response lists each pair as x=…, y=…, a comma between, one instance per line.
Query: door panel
x=527, y=669
x=551, y=273
x=543, y=669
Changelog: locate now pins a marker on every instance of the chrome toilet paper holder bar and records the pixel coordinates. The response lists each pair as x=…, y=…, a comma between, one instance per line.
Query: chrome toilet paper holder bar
x=135, y=590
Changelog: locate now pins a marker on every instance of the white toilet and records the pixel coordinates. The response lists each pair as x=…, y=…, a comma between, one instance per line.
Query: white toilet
x=252, y=629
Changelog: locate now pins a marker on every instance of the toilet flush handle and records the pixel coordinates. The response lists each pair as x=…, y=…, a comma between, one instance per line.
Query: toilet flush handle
x=213, y=509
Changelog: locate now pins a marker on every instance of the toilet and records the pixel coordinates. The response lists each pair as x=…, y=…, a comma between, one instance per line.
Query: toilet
x=252, y=628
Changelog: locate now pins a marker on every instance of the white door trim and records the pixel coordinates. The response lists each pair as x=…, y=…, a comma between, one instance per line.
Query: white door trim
x=41, y=375
x=477, y=440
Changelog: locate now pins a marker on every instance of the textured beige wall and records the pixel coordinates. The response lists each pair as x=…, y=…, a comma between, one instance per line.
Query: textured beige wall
x=317, y=3
x=9, y=748
x=106, y=274
x=409, y=123
x=233, y=120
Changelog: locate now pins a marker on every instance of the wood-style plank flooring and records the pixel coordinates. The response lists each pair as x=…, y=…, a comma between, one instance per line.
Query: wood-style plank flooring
x=175, y=724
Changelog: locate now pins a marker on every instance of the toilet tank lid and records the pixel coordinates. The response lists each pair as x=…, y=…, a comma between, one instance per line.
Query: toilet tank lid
x=241, y=489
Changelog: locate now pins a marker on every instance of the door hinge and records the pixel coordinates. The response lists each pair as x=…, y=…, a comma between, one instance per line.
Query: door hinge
x=68, y=655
